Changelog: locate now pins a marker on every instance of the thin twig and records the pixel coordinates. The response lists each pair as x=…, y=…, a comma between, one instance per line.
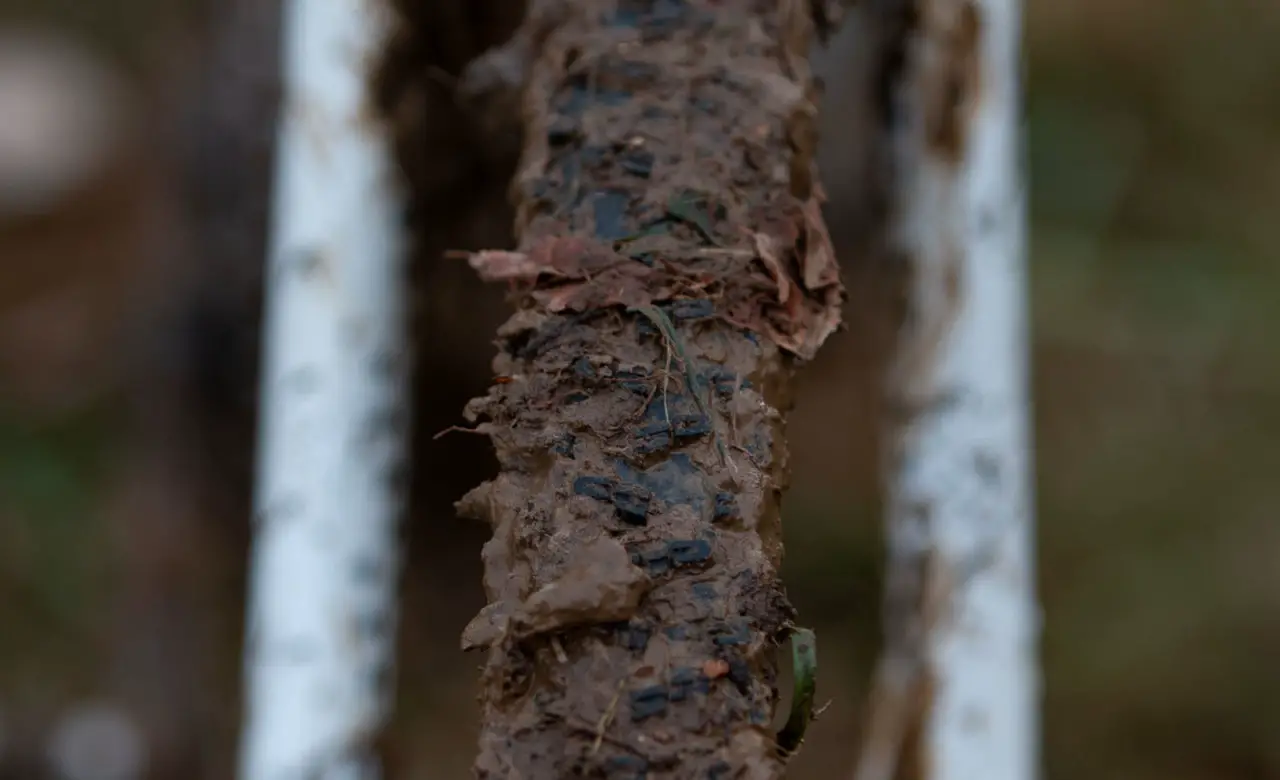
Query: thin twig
x=459, y=429
x=666, y=382
x=606, y=717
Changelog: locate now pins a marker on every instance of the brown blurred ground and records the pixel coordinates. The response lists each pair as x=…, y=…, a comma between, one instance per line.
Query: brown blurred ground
x=127, y=350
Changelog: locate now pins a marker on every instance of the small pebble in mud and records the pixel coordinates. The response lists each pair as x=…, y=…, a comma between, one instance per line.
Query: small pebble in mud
x=647, y=702
x=676, y=632
x=719, y=771
x=704, y=591
x=632, y=503
x=583, y=368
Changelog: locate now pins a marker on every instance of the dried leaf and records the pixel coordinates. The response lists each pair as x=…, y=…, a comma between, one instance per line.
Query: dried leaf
x=819, y=262
x=569, y=257
x=767, y=249
x=825, y=321
x=499, y=265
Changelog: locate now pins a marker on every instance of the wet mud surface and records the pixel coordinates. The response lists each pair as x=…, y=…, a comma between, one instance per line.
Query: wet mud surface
x=672, y=268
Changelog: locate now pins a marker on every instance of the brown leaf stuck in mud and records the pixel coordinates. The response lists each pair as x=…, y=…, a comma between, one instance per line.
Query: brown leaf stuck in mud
x=791, y=242
x=796, y=252
x=571, y=273
x=821, y=270
x=820, y=315
x=499, y=265
x=560, y=298
x=768, y=249
x=561, y=256
x=575, y=274
x=621, y=285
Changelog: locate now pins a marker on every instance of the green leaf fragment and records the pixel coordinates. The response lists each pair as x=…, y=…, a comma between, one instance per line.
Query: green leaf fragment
x=687, y=207
x=656, y=228
x=804, y=663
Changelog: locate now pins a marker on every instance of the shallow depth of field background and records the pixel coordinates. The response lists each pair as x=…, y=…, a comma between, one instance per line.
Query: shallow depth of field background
x=1154, y=135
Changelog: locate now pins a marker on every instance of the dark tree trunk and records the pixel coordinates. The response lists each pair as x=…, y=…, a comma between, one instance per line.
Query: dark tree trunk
x=182, y=502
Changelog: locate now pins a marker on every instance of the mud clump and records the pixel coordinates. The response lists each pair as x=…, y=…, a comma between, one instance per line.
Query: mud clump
x=672, y=267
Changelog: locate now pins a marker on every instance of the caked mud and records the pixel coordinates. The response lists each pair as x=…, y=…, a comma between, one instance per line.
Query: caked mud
x=672, y=265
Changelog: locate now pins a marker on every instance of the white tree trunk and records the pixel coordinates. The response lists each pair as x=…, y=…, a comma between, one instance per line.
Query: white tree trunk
x=322, y=612
x=962, y=622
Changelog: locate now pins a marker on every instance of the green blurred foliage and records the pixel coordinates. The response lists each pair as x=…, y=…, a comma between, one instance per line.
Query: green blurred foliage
x=52, y=567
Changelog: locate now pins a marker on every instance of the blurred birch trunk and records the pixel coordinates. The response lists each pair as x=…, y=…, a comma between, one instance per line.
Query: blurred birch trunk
x=956, y=694
x=322, y=612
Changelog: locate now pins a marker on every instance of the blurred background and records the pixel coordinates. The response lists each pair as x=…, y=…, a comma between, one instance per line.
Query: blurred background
x=135, y=148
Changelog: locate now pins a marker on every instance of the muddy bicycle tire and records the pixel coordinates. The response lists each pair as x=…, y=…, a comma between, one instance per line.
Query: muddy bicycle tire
x=672, y=270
